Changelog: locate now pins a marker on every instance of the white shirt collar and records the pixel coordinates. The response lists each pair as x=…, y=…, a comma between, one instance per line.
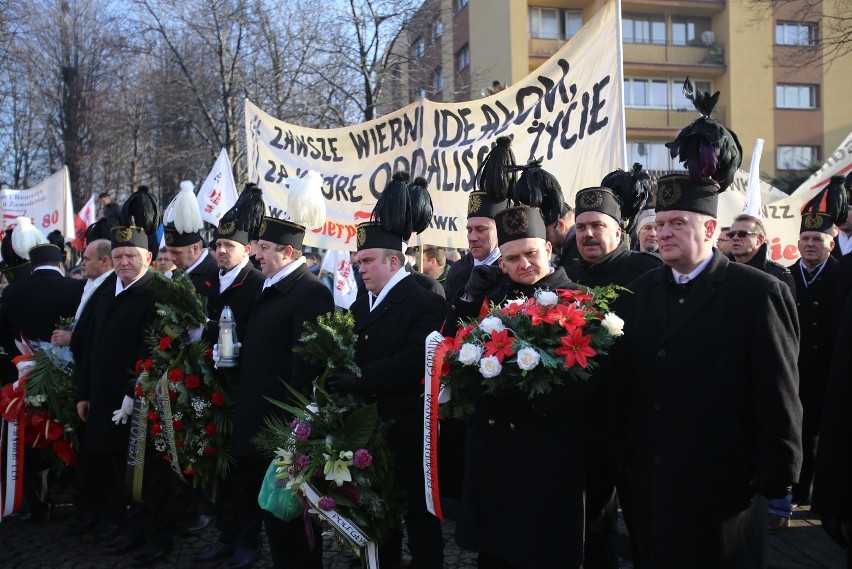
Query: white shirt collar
x=845, y=243
x=283, y=273
x=119, y=288
x=228, y=278
x=204, y=254
x=695, y=272
x=374, y=301
x=49, y=268
x=492, y=256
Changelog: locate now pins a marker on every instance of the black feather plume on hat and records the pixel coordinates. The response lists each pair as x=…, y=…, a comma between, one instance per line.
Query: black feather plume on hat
x=247, y=212
x=98, y=230
x=10, y=257
x=421, y=205
x=496, y=175
x=831, y=201
x=393, y=210
x=536, y=187
x=633, y=189
x=141, y=210
x=706, y=147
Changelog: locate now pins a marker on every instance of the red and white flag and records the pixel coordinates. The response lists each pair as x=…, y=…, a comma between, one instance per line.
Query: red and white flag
x=84, y=218
x=218, y=192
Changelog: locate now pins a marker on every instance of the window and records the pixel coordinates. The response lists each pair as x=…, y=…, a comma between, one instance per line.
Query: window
x=678, y=101
x=646, y=93
x=572, y=22
x=795, y=157
x=795, y=96
x=688, y=31
x=462, y=58
x=438, y=80
x=418, y=49
x=437, y=29
x=544, y=23
x=644, y=29
x=792, y=33
x=652, y=155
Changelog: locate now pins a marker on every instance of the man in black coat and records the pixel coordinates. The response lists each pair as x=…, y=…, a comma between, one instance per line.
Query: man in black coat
x=31, y=309
x=705, y=430
x=392, y=322
x=832, y=493
x=536, y=527
x=814, y=274
x=748, y=246
x=115, y=321
x=604, y=259
x=563, y=237
x=291, y=296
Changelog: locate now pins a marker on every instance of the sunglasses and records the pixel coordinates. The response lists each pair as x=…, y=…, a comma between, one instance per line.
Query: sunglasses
x=741, y=234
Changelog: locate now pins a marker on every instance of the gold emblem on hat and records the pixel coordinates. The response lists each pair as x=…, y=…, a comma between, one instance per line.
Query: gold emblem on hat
x=669, y=194
x=515, y=222
x=362, y=236
x=474, y=202
x=262, y=230
x=812, y=220
x=228, y=227
x=123, y=234
x=591, y=199
x=169, y=237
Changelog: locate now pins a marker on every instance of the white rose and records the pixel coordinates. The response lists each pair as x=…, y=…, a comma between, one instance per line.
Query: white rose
x=491, y=323
x=490, y=367
x=470, y=354
x=546, y=297
x=528, y=358
x=516, y=302
x=613, y=324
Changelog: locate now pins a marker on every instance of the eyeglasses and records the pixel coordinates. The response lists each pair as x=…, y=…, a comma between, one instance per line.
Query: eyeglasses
x=741, y=234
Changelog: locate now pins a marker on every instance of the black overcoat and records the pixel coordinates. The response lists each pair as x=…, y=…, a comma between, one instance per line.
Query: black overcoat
x=621, y=266
x=33, y=305
x=536, y=521
x=115, y=332
x=241, y=296
x=391, y=352
x=710, y=391
x=761, y=261
x=267, y=357
x=457, y=278
x=205, y=278
x=814, y=304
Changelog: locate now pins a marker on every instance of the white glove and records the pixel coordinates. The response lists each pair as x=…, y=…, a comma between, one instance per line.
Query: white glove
x=123, y=414
x=195, y=334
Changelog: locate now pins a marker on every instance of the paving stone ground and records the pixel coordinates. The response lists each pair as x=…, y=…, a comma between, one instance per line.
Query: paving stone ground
x=804, y=545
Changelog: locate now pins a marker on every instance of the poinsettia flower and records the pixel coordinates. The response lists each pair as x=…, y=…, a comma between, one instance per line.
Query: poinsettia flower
x=574, y=295
x=539, y=313
x=500, y=345
x=570, y=317
x=576, y=349
x=514, y=307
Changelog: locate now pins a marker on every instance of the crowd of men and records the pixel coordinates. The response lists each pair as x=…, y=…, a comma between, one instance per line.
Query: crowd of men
x=706, y=424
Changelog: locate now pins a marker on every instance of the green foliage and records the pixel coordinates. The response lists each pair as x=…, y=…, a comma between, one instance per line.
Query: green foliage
x=330, y=342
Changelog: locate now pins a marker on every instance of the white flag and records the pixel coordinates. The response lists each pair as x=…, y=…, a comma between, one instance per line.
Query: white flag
x=752, y=205
x=48, y=204
x=218, y=192
x=344, y=286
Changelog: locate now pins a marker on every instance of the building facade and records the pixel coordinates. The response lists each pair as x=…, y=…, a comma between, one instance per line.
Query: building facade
x=458, y=50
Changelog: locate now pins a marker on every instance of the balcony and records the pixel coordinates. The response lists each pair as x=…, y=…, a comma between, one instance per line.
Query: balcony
x=542, y=47
x=648, y=53
x=665, y=118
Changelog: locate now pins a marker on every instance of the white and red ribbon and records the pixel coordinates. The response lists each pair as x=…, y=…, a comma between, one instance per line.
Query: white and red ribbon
x=12, y=447
x=436, y=351
x=344, y=527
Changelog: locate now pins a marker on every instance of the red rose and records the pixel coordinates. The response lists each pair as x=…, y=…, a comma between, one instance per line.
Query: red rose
x=153, y=416
x=192, y=381
x=138, y=366
x=208, y=354
x=180, y=443
x=210, y=429
x=166, y=457
x=148, y=363
x=217, y=399
x=175, y=375
x=156, y=429
x=139, y=389
x=165, y=342
x=208, y=451
x=178, y=425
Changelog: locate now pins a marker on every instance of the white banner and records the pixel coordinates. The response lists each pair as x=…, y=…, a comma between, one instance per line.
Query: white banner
x=48, y=204
x=218, y=192
x=344, y=286
x=569, y=112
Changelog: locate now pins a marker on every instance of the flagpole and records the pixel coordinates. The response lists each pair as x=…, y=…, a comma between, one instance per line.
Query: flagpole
x=753, y=204
x=620, y=79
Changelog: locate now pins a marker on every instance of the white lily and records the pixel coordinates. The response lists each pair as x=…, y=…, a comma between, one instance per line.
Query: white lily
x=338, y=471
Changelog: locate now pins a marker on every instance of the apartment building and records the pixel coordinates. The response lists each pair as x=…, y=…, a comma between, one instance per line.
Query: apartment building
x=457, y=50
